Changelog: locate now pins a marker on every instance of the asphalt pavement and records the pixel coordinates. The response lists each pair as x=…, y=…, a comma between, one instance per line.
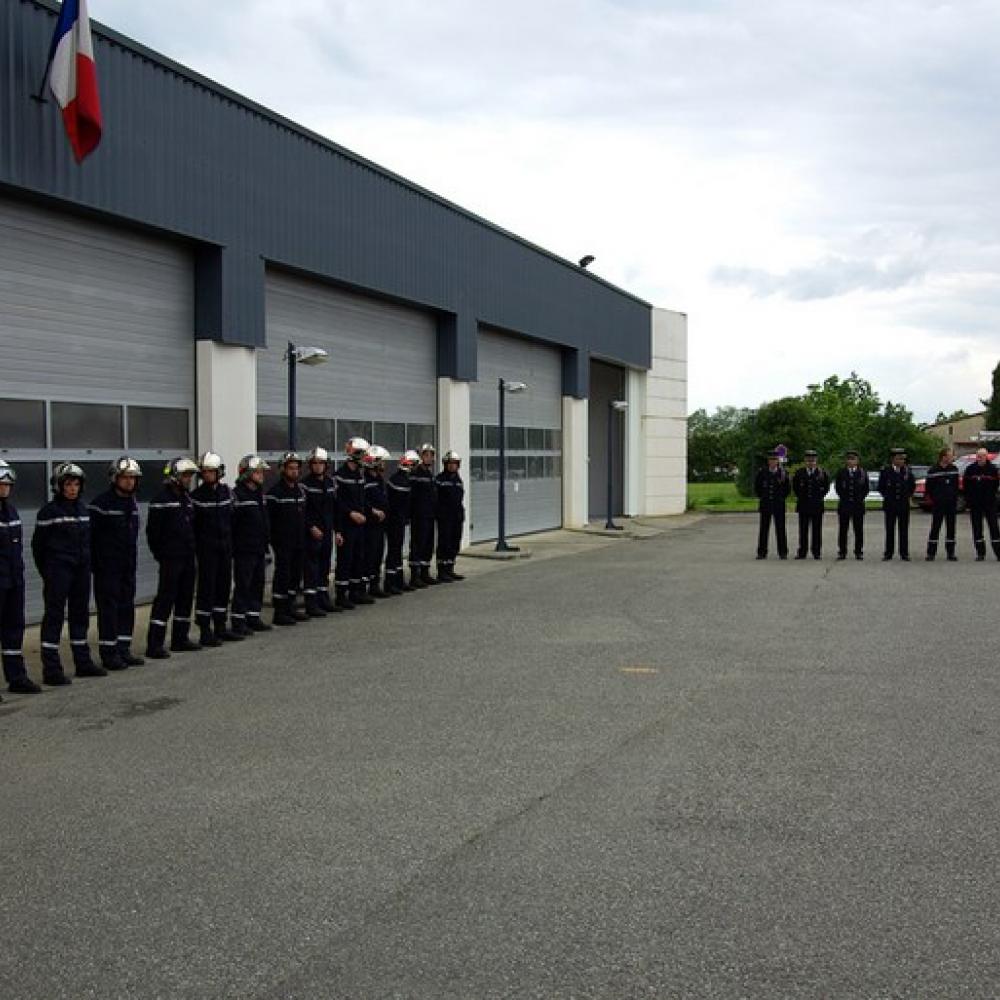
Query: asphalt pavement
x=647, y=768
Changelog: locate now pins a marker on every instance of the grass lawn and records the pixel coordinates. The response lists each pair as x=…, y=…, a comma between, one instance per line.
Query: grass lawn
x=723, y=498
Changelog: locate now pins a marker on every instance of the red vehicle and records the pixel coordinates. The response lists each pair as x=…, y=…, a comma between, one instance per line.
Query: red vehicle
x=924, y=502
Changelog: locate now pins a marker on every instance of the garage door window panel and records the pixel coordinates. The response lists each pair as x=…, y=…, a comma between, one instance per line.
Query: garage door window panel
x=87, y=425
x=158, y=428
x=22, y=423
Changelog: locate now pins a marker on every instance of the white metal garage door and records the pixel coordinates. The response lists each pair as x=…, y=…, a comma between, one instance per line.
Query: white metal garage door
x=380, y=381
x=96, y=355
x=533, y=439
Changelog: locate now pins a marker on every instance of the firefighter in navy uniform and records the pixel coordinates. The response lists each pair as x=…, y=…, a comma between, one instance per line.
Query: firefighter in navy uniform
x=396, y=522
x=114, y=559
x=852, y=487
x=376, y=511
x=251, y=537
x=12, y=589
x=423, y=510
x=772, y=488
x=61, y=549
x=981, y=481
x=350, y=525
x=942, y=488
x=286, y=510
x=170, y=534
x=896, y=484
x=321, y=509
x=213, y=537
x=810, y=484
x=450, y=516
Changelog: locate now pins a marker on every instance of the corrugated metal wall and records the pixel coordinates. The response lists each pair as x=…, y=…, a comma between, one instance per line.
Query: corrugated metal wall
x=183, y=155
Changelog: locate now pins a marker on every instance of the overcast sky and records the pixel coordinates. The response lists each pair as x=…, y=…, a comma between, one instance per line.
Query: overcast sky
x=814, y=183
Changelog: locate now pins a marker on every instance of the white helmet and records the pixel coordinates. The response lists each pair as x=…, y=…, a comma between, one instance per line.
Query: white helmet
x=212, y=462
x=408, y=461
x=178, y=467
x=427, y=446
x=289, y=458
x=451, y=456
x=356, y=448
x=64, y=471
x=318, y=455
x=123, y=466
x=375, y=457
x=7, y=473
x=251, y=463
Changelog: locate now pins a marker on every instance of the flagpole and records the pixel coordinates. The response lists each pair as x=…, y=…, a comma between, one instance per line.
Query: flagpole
x=40, y=96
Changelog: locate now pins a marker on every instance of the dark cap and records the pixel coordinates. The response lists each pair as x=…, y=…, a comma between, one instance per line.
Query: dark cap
x=810, y=453
x=850, y=453
x=773, y=454
x=897, y=451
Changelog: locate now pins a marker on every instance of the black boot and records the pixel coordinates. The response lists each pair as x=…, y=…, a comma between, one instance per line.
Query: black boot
x=426, y=578
x=282, y=612
x=313, y=609
x=87, y=668
x=375, y=590
x=156, y=640
x=453, y=574
x=255, y=624
x=223, y=632
x=443, y=574
x=113, y=662
x=323, y=597
x=23, y=685
x=125, y=655
x=344, y=598
x=206, y=637
x=416, y=579
x=55, y=677
x=179, y=640
x=358, y=595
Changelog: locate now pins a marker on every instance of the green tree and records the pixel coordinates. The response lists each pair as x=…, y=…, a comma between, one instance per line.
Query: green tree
x=789, y=421
x=715, y=443
x=993, y=403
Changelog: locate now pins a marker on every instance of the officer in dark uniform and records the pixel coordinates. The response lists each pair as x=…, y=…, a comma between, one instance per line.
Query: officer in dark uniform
x=396, y=522
x=114, y=558
x=942, y=488
x=251, y=536
x=981, y=481
x=423, y=510
x=351, y=522
x=286, y=509
x=852, y=487
x=12, y=589
x=61, y=548
x=772, y=488
x=450, y=516
x=321, y=509
x=376, y=510
x=213, y=536
x=810, y=485
x=896, y=484
x=170, y=534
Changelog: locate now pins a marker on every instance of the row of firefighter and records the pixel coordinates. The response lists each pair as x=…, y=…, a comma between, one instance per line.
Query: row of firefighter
x=213, y=542
x=896, y=483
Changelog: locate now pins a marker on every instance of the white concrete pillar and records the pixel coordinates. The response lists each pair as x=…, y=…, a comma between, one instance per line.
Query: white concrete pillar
x=575, y=462
x=635, y=452
x=665, y=421
x=227, y=401
x=453, y=434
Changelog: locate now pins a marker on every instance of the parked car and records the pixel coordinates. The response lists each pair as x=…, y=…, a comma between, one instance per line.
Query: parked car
x=924, y=502
x=873, y=494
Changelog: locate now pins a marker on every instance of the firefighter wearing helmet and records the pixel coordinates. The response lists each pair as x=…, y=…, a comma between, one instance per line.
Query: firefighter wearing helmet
x=286, y=509
x=376, y=510
x=321, y=507
x=114, y=557
x=61, y=549
x=12, y=588
x=213, y=535
x=423, y=510
x=170, y=534
x=398, y=490
x=251, y=536
x=450, y=516
x=350, y=525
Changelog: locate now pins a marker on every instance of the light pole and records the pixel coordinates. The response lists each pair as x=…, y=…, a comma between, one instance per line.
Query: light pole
x=298, y=356
x=503, y=387
x=614, y=406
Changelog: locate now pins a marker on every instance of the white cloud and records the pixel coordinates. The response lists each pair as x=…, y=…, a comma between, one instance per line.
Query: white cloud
x=833, y=163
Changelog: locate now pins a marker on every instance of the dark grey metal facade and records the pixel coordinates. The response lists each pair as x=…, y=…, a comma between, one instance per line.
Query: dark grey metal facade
x=183, y=156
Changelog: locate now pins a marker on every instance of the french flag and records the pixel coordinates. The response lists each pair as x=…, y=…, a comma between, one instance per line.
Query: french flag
x=73, y=78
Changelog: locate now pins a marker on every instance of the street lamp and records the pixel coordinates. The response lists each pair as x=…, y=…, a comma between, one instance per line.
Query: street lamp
x=503, y=387
x=299, y=356
x=614, y=406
